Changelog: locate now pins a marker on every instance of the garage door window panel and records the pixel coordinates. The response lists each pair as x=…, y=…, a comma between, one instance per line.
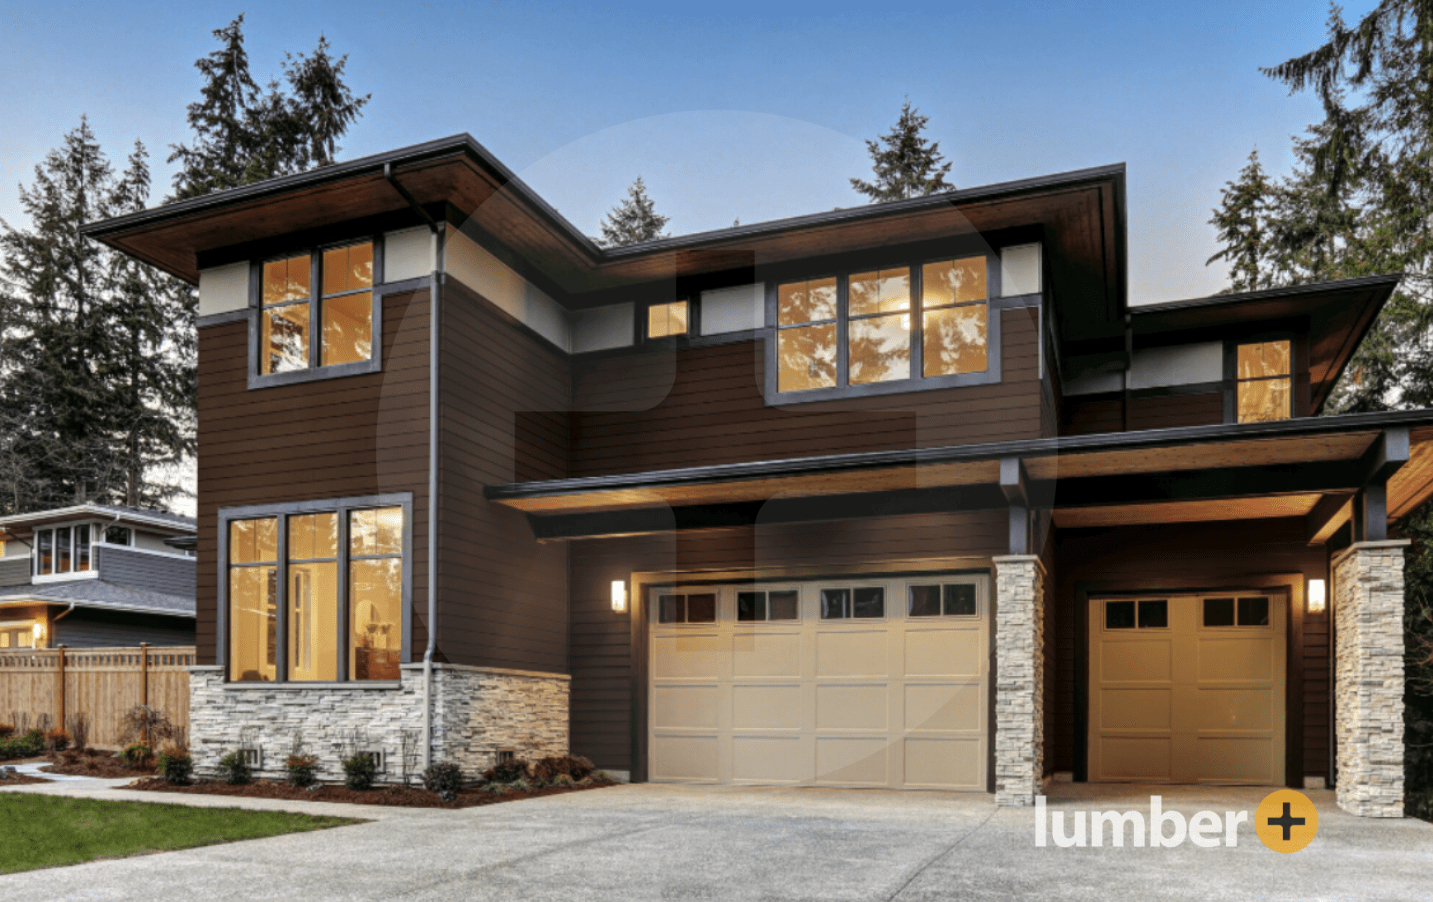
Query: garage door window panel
x=949, y=600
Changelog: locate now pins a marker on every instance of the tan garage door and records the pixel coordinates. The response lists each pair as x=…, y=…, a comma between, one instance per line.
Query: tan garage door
x=1188, y=688
x=870, y=682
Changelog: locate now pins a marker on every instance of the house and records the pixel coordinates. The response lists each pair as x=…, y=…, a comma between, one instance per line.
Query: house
x=909, y=495
x=94, y=576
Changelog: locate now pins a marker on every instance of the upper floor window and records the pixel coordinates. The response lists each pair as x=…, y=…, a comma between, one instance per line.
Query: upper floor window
x=62, y=549
x=1265, y=383
x=316, y=310
x=667, y=320
x=885, y=329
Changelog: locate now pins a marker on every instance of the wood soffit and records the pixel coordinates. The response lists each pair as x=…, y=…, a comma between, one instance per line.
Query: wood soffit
x=1324, y=454
x=1081, y=214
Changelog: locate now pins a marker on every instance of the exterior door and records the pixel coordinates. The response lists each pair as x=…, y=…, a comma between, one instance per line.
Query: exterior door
x=1187, y=688
x=868, y=682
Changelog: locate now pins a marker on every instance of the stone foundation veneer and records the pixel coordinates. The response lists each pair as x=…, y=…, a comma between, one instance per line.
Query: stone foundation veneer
x=1019, y=679
x=1368, y=687
x=476, y=712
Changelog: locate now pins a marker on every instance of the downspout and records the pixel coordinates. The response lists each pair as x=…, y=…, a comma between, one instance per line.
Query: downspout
x=58, y=617
x=432, y=462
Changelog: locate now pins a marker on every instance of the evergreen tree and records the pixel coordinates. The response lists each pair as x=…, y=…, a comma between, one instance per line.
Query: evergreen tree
x=1241, y=219
x=904, y=162
x=243, y=135
x=84, y=345
x=634, y=220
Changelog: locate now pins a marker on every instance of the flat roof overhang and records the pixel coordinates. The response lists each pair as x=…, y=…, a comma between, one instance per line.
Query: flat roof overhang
x=1081, y=215
x=1309, y=467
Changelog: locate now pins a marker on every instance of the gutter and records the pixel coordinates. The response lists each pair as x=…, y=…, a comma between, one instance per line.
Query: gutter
x=433, y=336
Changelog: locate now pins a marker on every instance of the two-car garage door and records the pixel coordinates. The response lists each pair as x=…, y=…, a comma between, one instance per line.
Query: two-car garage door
x=879, y=682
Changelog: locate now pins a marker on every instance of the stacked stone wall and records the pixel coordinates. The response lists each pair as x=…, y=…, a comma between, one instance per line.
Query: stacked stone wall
x=1019, y=679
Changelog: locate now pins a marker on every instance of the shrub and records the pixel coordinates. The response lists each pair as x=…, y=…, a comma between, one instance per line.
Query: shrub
x=6, y=731
x=234, y=769
x=507, y=772
x=546, y=770
x=78, y=726
x=57, y=740
x=301, y=770
x=145, y=724
x=359, y=769
x=137, y=755
x=176, y=766
x=601, y=776
x=27, y=746
x=564, y=781
x=445, y=778
x=520, y=785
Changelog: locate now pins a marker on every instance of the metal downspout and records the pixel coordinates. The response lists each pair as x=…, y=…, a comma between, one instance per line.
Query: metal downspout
x=433, y=292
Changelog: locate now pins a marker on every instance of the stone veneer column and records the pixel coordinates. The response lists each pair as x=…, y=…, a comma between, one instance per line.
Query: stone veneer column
x=1368, y=685
x=1019, y=679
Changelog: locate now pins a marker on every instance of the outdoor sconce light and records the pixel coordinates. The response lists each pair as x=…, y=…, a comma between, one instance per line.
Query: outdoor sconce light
x=1317, y=597
x=619, y=596
x=39, y=630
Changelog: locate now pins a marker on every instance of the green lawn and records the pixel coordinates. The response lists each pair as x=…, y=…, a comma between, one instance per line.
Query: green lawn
x=41, y=831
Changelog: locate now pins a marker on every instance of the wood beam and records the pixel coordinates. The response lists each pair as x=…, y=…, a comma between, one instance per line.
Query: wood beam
x=1332, y=511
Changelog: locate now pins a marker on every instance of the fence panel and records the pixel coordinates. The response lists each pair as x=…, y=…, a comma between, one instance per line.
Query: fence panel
x=103, y=683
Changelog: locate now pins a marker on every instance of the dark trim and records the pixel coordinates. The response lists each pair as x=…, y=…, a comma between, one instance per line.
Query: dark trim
x=1082, y=684
x=1171, y=391
x=1231, y=381
x=219, y=319
x=672, y=344
x=1286, y=291
x=649, y=520
x=1024, y=448
x=637, y=606
x=282, y=511
x=1294, y=765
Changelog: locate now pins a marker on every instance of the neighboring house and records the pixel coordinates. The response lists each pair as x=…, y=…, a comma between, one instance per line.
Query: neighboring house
x=909, y=495
x=92, y=576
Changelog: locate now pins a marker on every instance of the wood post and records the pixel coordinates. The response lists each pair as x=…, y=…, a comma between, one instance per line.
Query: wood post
x=60, y=691
x=144, y=674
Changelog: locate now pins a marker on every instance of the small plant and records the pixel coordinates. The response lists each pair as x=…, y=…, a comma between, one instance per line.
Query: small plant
x=145, y=724
x=359, y=769
x=564, y=780
x=137, y=755
x=27, y=746
x=548, y=769
x=601, y=776
x=301, y=770
x=498, y=789
x=176, y=765
x=57, y=740
x=444, y=778
x=234, y=769
x=79, y=727
x=507, y=772
x=520, y=786
x=6, y=730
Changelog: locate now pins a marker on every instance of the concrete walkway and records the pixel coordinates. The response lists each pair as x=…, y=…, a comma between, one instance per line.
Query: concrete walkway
x=731, y=843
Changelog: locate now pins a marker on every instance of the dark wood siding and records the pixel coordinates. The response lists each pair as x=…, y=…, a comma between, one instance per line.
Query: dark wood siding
x=504, y=399
x=1091, y=416
x=602, y=672
x=1169, y=411
x=358, y=435
x=653, y=410
x=1188, y=556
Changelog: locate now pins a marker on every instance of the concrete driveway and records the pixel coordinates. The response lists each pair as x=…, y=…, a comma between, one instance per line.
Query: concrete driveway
x=655, y=842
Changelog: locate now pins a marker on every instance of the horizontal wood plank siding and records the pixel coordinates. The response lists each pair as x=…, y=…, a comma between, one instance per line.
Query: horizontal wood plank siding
x=1184, y=556
x=601, y=640
x=358, y=435
x=650, y=411
x=504, y=396
x=1171, y=411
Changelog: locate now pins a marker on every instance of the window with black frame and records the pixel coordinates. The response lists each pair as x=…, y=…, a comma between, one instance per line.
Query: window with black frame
x=316, y=309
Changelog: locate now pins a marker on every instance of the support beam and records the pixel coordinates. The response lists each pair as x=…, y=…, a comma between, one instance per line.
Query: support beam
x=1388, y=453
x=1014, y=483
x=1332, y=511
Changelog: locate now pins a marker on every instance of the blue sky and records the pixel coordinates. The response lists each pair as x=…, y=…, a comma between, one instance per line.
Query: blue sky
x=749, y=111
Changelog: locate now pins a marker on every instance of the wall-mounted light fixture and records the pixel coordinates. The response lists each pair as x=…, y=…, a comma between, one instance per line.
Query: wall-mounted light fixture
x=619, y=596
x=39, y=631
x=1318, y=597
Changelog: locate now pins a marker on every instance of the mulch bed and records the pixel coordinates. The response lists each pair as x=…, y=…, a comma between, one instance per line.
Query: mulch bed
x=379, y=795
x=93, y=763
x=20, y=779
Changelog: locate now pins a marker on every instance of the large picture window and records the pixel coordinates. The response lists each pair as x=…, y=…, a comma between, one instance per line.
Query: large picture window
x=896, y=328
x=316, y=314
x=327, y=587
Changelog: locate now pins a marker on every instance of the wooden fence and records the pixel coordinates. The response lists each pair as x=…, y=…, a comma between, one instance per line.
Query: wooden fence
x=103, y=683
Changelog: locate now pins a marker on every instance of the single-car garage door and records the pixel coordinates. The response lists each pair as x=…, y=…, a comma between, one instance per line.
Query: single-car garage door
x=1187, y=688
x=869, y=682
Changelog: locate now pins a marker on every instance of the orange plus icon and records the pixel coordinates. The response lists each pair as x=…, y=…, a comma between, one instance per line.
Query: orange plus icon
x=1286, y=820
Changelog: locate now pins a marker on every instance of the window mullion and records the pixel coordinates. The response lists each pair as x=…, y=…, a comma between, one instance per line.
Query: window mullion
x=281, y=602
x=342, y=580
x=842, y=329
x=917, y=330
x=315, y=295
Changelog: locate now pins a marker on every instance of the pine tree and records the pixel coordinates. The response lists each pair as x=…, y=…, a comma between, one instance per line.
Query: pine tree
x=1241, y=219
x=95, y=387
x=243, y=135
x=634, y=220
x=904, y=162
